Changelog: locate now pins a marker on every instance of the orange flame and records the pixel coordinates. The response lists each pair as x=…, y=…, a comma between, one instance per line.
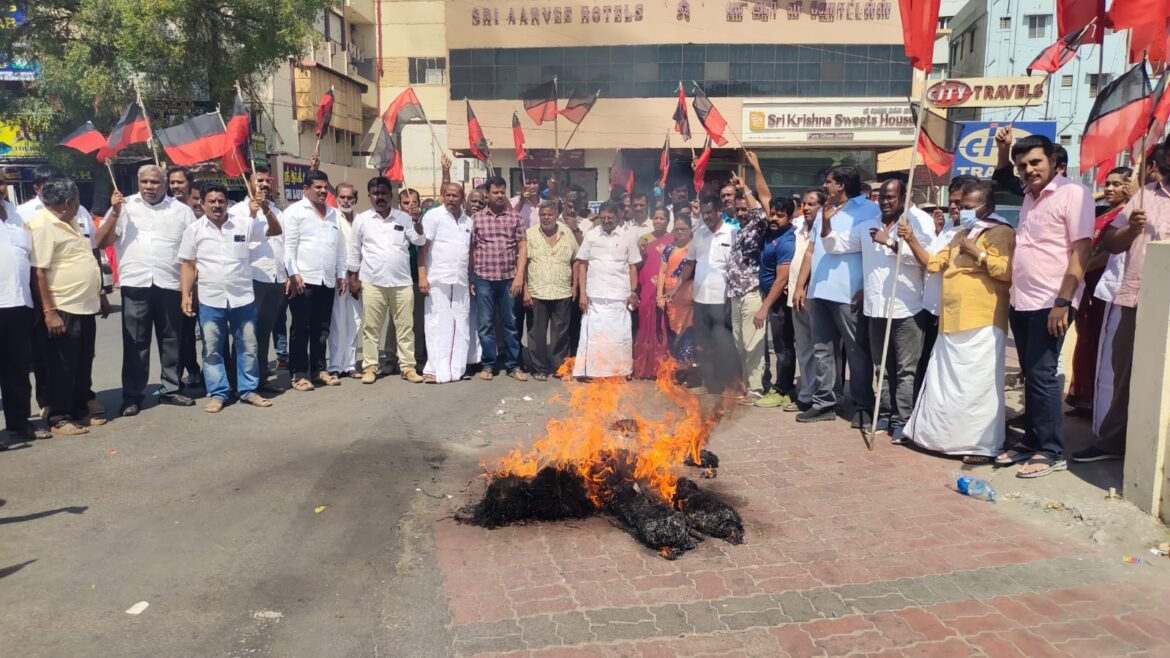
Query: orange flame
x=646, y=452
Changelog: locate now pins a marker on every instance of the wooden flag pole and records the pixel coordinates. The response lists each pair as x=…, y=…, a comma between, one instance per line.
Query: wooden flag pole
x=869, y=437
x=146, y=115
x=113, y=181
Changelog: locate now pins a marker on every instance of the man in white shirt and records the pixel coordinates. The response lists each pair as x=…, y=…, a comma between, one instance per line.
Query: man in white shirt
x=607, y=291
x=345, y=327
x=379, y=270
x=146, y=230
x=314, y=256
x=266, y=254
x=215, y=250
x=707, y=262
x=527, y=203
x=443, y=275
x=16, y=323
x=879, y=258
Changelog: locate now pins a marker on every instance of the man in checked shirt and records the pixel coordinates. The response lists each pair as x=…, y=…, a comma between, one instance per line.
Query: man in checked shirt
x=499, y=255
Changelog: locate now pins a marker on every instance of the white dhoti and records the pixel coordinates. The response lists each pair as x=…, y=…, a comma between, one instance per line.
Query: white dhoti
x=606, y=347
x=961, y=408
x=1103, y=389
x=447, y=328
x=345, y=332
x=474, y=352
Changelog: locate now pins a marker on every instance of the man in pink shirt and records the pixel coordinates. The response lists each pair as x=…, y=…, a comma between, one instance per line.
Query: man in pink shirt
x=1052, y=246
x=1145, y=219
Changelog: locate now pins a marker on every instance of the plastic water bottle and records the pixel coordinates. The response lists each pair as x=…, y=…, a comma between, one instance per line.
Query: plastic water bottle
x=975, y=488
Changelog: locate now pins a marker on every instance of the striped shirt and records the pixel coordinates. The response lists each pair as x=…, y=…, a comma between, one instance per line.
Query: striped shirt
x=550, y=267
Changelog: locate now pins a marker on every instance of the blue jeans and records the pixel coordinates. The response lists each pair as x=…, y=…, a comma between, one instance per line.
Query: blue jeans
x=490, y=297
x=216, y=323
x=1039, y=353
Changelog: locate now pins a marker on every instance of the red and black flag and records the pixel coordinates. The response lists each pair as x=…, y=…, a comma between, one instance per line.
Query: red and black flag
x=237, y=143
x=919, y=28
x=518, y=138
x=938, y=141
x=325, y=112
x=664, y=163
x=132, y=128
x=1119, y=117
x=193, y=141
x=85, y=139
x=540, y=102
x=1159, y=117
x=701, y=166
x=475, y=139
x=713, y=122
x=621, y=174
x=387, y=157
x=579, y=105
x=1072, y=15
x=682, y=120
x=1062, y=52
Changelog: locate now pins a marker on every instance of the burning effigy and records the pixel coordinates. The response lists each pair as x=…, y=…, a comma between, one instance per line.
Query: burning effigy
x=611, y=455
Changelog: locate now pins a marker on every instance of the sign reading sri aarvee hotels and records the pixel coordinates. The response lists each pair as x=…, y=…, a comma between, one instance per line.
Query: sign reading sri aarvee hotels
x=828, y=124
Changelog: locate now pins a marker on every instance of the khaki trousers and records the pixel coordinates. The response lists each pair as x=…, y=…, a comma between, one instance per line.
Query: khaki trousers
x=379, y=302
x=749, y=339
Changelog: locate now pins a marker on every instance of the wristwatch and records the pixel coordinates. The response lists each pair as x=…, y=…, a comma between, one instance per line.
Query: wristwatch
x=1061, y=302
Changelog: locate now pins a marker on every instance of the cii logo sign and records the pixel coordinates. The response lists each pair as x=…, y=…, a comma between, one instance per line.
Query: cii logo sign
x=977, y=154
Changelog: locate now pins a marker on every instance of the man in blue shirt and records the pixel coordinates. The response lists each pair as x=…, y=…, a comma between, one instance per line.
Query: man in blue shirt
x=833, y=271
x=775, y=261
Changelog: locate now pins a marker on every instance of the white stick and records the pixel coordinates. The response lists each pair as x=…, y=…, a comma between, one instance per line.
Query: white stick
x=877, y=402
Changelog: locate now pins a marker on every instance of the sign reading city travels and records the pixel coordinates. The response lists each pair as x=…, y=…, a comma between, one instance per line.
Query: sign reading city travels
x=814, y=123
x=527, y=23
x=977, y=153
x=986, y=92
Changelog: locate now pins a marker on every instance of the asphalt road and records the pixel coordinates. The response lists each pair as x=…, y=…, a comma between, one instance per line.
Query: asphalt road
x=213, y=521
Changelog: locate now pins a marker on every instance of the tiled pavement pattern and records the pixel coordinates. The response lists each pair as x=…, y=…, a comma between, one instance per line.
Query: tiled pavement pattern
x=848, y=553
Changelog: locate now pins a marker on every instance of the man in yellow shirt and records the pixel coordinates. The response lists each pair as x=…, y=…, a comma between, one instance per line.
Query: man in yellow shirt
x=69, y=284
x=961, y=408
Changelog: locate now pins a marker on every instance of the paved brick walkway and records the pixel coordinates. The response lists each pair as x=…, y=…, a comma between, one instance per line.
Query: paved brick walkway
x=847, y=553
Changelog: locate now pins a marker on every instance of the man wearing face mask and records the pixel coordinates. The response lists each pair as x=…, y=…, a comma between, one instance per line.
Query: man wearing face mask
x=266, y=256
x=146, y=230
x=345, y=327
x=961, y=408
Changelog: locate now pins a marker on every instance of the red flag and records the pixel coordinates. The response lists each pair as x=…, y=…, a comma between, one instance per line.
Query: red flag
x=1133, y=13
x=937, y=142
x=475, y=138
x=85, y=139
x=387, y=157
x=919, y=28
x=713, y=122
x=540, y=102
x=1062, y=52
x=664, y=163
x=518, y=138
x=579, y=105
x=325, y=112
x=1072, y=15
x=1118, y=118
x=620, y=173
x=1159, y=117
x=238, y=140
x=132, y=128
x=701, y=166
x=1149, y=41
x=682, y=121
x=194, y=141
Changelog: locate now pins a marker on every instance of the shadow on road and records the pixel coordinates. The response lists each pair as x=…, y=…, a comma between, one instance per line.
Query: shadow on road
x=8, y=571
x=41, y=515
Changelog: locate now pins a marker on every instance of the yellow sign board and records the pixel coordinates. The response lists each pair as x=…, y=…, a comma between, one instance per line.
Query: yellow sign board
x=16, y=143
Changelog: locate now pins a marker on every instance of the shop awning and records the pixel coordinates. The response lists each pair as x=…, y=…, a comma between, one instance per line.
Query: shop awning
x=892, y=161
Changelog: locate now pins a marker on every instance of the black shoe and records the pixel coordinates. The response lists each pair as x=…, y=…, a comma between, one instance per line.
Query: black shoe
x=1093, y=454
x=176, y=399
x=861, y=420
x=128, y=410
x=814, y=415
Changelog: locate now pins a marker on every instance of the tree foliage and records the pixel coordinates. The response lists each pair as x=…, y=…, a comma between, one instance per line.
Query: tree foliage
x=93, y=53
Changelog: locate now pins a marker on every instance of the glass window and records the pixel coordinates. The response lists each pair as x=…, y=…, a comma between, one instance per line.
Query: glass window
x=527, y=56
x=786, y=53
x=692, y=72
x=741, y=53
x=621, y=72
x=808, y=71
x=550, y=55
x=645, y=72
x=427, y=70
x=1038, y=25
x=1005, y=23
x=669, y=53
x=668, y=72
x=763, y=72
x=1096, y=82
x=1066, y=140
x=716, y=87
x=622, y=54
x=716, y=71
x=646, y=54
x=694, y=53
x=504, y=57
x=808, y=54
x=717, y=52
x=1066, y=80
x=741, y=71
x=763, y=53
x=832, y=71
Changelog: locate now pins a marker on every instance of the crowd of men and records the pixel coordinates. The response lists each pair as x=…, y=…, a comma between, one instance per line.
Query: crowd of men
x=741, y=289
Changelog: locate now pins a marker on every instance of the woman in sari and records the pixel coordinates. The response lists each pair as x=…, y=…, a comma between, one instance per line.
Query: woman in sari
x=676, y=299
x=650, y=342
x=1091, y=311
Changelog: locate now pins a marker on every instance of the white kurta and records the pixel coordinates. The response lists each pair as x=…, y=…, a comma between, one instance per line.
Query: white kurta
x=345, y=329
x=448, y=331
x=961, y=408
x=606, y=346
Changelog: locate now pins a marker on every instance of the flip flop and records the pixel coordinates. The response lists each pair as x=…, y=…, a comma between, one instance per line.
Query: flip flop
x=303, y=384
x=1012, y=457
x=214, y=406
x=518, y=374
x=977, y=460
x=486, y=375
x=1052, y=466
x=540, y=377
x=256, y=400
x=68, y=428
